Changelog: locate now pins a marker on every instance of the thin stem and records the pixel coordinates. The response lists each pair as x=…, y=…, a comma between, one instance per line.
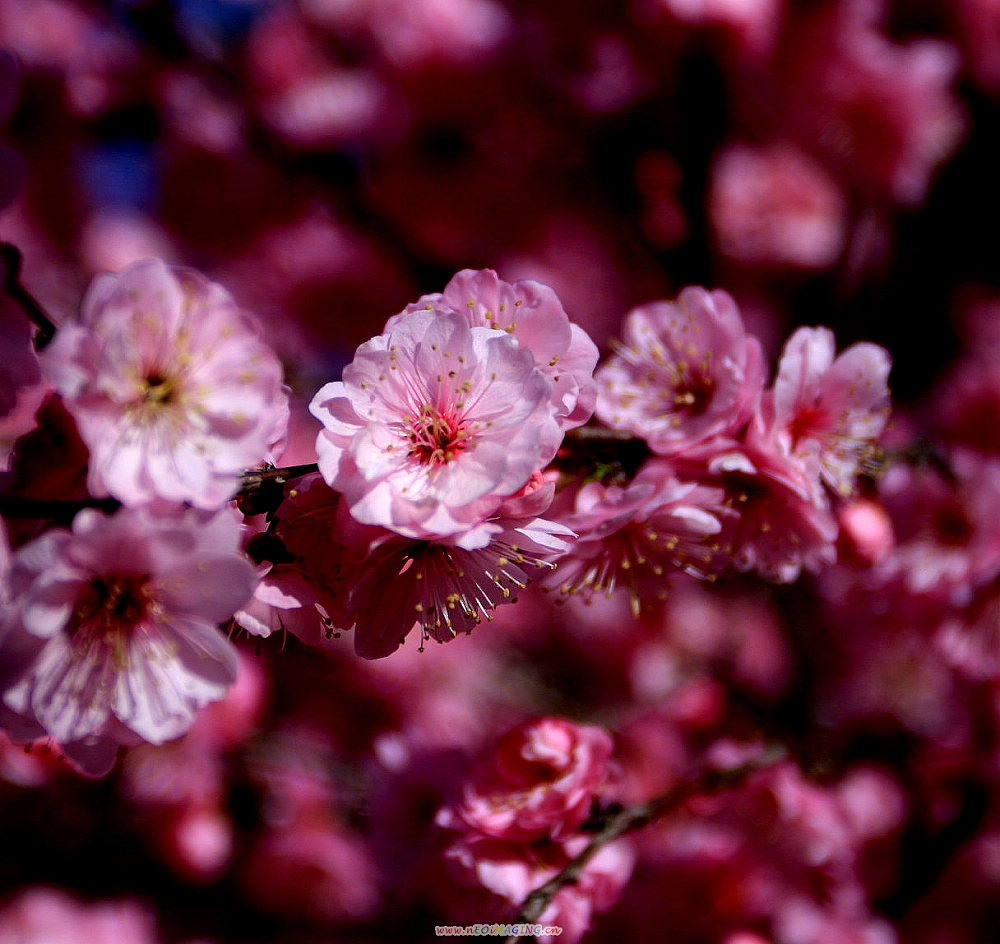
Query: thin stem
x=11, y=257
x=635, y=817
x=261, y=478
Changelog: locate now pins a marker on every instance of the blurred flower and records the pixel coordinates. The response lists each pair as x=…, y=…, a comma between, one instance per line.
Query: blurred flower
x=541, y=781
x=48, y=916
x=170, y=386
x=774, y=206
x=113, y=638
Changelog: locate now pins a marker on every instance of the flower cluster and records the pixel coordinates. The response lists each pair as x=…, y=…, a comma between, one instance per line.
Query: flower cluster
x=110, y=637
x=520, y=816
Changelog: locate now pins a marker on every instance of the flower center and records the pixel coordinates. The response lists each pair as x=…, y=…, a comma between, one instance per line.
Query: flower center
x=107, y=610
x=436, y=438
x=157, y=389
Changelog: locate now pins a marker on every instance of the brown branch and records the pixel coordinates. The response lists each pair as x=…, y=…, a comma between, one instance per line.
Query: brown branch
x=635, y=817
x=261, y=478
x=11, y=257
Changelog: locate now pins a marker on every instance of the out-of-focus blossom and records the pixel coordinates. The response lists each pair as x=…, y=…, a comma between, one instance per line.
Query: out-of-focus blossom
x=541, y=781
x=785, y=524
x=18, y=362
x=774, y=206
x=517, y=823
x=512, y=871
x=114, y=632
x=866, y=534
x=829, y=412
x=780, y=852
x=753, y=24
x=632, y=538
x=412, y=33
x=534, y=316
x=685, y=371
x=947, y=527
x=171, y=387
x=882, y=114
x=43, y=915
x=434, y=424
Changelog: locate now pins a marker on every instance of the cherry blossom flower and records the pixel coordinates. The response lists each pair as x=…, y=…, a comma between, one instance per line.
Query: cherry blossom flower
x=114, y=627
x=533, y=314
x=541, y=781
x=686, y=371
x=171, y=387
x=517, y=823
x=434, y=424
x=511, y=871
x=440, y=586
x=882, y=113
x=632, y=537
x=828, y=411
x=774, y=206
x=41, y=915
x=948, y=526
x=784, y=523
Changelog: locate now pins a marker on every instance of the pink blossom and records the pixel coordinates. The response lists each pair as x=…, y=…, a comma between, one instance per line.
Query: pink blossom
x=114, y=627
x=784, y=522
x=399, y=584
x=634, y=537
x=685, y=371
x=533, y=314
x=434, y=424
x=829, y=411
x=947, y=526
x=882, y=114
x=42, y=915
x=774, y=206
x=511, y=871
x=540, y=782
x=171, y=387
x=299, y=566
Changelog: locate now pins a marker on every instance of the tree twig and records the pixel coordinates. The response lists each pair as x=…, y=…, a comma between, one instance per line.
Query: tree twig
x=635, y=817
x=11, y=257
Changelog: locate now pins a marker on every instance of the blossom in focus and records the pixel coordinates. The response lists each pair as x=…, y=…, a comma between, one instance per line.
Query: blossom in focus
x=541, y=781
x=533, y=314
x=112, y=638
x=829, y=411
x=434, y=424
x=441, y=587
x=684, y=371
x=632, y=537
x=172, y=388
